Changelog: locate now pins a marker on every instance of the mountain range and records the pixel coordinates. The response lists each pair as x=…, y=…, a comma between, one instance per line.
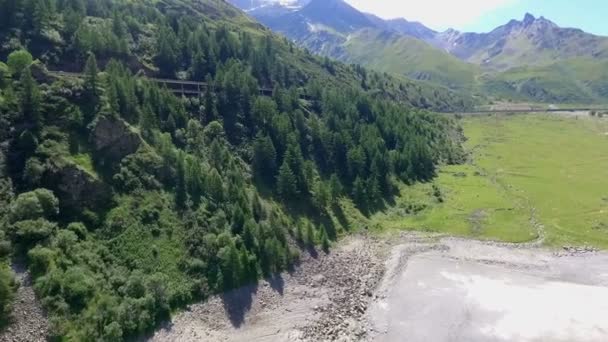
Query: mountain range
x=532, y=59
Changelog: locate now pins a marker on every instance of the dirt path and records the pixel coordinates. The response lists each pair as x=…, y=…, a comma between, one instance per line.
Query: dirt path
x=28, y=323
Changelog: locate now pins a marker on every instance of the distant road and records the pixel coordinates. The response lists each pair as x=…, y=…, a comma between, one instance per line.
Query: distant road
x=516, y=111
x=187, y=88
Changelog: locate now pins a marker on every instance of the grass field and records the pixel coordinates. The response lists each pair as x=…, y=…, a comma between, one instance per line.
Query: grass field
x=525, y=171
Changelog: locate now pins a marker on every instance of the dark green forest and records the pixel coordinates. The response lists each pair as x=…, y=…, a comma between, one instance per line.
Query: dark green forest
x=128, y=202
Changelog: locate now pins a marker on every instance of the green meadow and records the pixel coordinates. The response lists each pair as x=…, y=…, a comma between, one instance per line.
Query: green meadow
x=527, y=176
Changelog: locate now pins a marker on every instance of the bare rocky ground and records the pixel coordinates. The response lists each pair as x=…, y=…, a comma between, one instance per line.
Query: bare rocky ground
x=357, y=293
x=28, y=322
x=324, y=299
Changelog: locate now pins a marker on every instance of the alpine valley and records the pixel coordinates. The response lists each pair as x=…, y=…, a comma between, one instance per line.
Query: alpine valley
x=525, y=60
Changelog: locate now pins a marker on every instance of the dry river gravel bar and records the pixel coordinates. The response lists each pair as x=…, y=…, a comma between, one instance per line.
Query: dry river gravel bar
x=415, y=288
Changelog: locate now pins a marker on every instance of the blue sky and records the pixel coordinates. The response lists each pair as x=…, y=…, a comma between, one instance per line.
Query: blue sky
x=484, y=15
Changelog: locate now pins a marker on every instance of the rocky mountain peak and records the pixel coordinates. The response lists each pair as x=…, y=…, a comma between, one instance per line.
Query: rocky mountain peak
x=529, y=19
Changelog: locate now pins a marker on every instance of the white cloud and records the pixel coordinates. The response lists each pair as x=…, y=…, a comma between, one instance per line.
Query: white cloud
x=437, y=14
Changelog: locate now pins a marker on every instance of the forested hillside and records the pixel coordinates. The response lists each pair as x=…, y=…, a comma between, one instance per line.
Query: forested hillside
x=127, y=202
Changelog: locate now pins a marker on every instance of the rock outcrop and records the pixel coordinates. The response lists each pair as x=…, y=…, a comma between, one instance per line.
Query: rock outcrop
x=114, y=139
x=76, y=188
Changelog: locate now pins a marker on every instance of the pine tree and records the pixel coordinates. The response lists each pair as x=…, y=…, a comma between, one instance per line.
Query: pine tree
x=299, y=233
x=287, y=184
x=293, y=156
x=198, y=66
x=359, y=193
x=91, y=85
x=214, y=185
x=30, y=100
x=210, y=105
x=324, y=239
x=249, y=234
x=257, y=208
x=310, y=235
x=167, y=57
x=373, y=190
x=180, y=190
x=335, y=188
x=264, y=159
x=230, y=266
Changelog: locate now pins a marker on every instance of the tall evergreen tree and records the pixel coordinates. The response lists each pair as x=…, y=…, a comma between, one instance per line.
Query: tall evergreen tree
x=287, y=184
x=209, y=102
x=91, y=85
x=360, y=193
x=181, y=194
x=167, y=56
x=30, y=100
x=264, y=159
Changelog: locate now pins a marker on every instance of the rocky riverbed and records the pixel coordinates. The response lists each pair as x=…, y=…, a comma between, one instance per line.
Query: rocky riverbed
x=425, y=287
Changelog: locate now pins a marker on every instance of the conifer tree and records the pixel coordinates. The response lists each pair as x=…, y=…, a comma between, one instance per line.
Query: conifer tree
x=359, y=193
x=310, y=235
x=30, y=100
x=198, y=66
x=264, y=159
x=214, y=185
x=180, y=190
x=91, y=85
x=324, y=239
x=287, y=184
x=209, y=102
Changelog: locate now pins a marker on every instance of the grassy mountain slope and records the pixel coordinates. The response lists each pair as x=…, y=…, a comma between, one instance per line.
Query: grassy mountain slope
x=405, y=55
x=579, y=80
x=128, y=202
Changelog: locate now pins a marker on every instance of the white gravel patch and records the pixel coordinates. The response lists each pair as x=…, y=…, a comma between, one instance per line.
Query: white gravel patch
x=474, y=291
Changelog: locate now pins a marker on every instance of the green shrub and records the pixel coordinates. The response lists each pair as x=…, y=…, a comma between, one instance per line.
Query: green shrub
x=79, y=229
x=19, y=60
x=4, y=74
x=7, y=292
x=5, y=249
x=30, y=232
x=34, y=205
x=78, y=287
x=40, y=260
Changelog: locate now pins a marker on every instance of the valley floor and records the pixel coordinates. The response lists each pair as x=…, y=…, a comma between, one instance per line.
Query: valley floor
x=528, y=177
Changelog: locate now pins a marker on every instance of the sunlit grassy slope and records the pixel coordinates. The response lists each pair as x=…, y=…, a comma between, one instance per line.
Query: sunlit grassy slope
x=578, y=80
x=524, y=171
x=405, y=55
